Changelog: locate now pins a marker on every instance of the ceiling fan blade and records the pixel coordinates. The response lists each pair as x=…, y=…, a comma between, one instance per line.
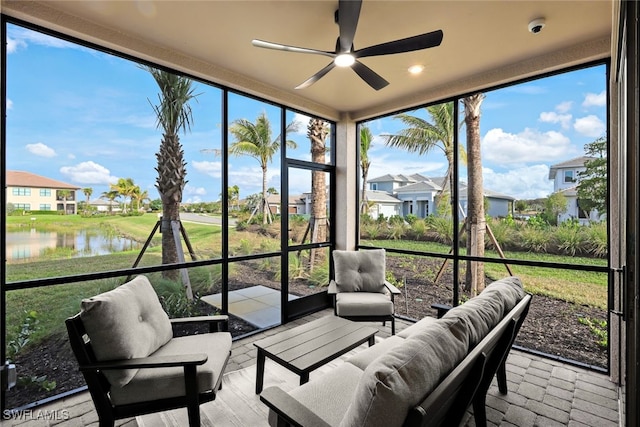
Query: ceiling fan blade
x=348, y=15
x=311, y=80
x=369, y=76
x=423, y=41
x=287, y=48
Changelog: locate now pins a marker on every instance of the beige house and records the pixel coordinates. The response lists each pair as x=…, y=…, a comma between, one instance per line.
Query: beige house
x=30, y=192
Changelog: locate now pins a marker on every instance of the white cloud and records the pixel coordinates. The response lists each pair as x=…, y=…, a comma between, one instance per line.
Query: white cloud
x=528, y=146
x=553, y=117
x=303, y=123
x=564, y=107
x=213, y=169
x=529, y=182
x=595, y=99
x=590, y=126
x=14, y=44
x=194, y=194
x=9, y=104
x=89, y=173
x=40, y=149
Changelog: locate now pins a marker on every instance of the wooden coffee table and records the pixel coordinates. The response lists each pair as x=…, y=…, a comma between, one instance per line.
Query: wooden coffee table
x=309, y=346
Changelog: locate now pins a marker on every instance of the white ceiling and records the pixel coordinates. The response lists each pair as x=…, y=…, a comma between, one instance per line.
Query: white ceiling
x=485, y=43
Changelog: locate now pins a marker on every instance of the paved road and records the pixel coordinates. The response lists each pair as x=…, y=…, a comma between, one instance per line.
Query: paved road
x=204, y=219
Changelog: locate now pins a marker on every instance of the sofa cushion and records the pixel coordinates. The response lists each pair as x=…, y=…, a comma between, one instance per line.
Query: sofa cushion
x=425, y=322
x=363, y=358
x=329, y=395
x=125, y=323
x=509, y=289
x=360, y=270
x=363, y=304
x=160, y=383
x=406, y=374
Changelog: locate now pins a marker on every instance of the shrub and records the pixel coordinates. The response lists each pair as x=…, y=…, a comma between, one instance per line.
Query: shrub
x=570, y=239
x=534, y=239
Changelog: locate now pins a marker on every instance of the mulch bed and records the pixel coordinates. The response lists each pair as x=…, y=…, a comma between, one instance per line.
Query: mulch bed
x=551, y=327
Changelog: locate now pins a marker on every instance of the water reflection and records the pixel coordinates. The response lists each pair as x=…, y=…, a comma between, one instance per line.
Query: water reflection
x=21, y=245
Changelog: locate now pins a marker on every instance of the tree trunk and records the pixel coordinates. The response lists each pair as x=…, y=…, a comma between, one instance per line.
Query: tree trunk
x=170, y=183
x=364, y=208
x=476, y=225
x=317, y=133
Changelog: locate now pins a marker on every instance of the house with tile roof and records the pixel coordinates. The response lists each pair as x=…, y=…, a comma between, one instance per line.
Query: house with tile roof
x=416, y=194
x=566, y=178
x=30, y=192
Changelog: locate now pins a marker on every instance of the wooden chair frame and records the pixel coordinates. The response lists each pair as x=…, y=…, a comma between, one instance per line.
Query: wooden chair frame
x=99, y=386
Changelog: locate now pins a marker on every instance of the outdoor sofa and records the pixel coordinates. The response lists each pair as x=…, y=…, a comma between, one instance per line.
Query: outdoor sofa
x=426, y=375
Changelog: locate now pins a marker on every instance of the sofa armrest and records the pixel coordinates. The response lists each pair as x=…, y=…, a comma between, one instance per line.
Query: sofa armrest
x=148, y=362
x=441, y=308
x=289, y=409
x=216, y=323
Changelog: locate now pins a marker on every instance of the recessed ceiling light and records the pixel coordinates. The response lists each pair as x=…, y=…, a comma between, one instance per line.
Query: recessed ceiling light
x=416, y=69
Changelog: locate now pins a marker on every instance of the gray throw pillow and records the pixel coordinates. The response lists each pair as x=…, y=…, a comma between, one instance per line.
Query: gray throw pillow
x=406, y=374
x=360, y=271
x=125, y=323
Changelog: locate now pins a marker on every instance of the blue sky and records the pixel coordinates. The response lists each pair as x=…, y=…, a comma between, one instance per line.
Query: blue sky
x=85, y=118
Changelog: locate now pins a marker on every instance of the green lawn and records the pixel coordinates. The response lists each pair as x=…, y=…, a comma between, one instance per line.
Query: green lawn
x=53, y=304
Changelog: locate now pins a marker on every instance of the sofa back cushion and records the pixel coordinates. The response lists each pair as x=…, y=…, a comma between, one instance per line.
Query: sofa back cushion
x=486, y=310
x=405, y=375
x=125, y=323
x=360, y=271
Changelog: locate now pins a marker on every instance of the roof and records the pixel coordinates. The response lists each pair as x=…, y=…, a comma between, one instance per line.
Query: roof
x=419, y=187
x=577, y=162
x=381, y=197
x=28, y=179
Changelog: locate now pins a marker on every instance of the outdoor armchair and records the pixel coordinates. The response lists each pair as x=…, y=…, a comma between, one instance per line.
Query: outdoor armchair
x=360, y=291
x=133, y=365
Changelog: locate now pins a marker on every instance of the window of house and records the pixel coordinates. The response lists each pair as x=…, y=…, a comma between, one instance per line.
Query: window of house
x=45, y=207
x=568, y=176
x=17, y=191
x=45, y=192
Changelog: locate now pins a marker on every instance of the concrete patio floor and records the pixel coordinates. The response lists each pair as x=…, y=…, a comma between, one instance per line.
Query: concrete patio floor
x=542, y=392
x=258, y=305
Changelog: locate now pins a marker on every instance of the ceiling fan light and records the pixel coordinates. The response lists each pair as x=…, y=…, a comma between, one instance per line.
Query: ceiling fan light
x=344, y=60
x=416, y=69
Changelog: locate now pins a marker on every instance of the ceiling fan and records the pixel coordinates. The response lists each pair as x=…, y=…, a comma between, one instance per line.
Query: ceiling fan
x=346, y=56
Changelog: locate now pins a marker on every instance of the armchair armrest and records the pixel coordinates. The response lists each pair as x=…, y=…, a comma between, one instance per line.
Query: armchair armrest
x=148, y=362
x=392, y=289
x=289, y=409
x=333, y=288
x=216, y=323
x=441, y=308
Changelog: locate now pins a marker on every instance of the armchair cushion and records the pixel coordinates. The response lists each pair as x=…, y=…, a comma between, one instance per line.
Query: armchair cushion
x=360, y=271
x=363, y=304
x=402, y=377
x=125, y=323
x=162, y=383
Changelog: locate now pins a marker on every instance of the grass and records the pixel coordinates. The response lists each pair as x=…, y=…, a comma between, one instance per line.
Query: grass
x=55, y=303
x=578, y=287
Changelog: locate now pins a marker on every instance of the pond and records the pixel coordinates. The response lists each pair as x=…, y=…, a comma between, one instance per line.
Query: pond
x=34, y=244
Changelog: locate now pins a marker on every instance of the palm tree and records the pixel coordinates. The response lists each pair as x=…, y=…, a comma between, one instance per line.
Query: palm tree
x=173, y=114
x=110, y=195
x=476, y=224
x=421, y=137
x=139, y=196
x=254, y=140
x=317, y=131
x=366, y=138
x=64, y=196
x=126, y=188
x=88, y=191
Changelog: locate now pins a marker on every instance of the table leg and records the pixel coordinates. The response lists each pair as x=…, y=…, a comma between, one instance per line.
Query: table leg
x=260, y=371
x=304, y=378
x=372, y=340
